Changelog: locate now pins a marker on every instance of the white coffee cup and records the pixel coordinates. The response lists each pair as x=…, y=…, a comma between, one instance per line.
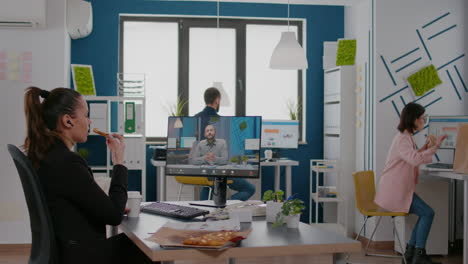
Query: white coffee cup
x=242, y=214
x=133, y=202
x=268, y=154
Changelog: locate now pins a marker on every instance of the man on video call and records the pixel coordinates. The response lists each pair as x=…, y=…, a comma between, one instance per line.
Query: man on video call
x=211, y=151
x=244, y=189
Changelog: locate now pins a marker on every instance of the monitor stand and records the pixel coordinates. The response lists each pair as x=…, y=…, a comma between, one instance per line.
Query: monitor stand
x=220, y=191
x=276, y=154
x=219, y=194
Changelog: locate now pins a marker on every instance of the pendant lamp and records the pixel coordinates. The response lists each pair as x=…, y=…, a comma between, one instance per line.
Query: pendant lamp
x=178, y=123
x=288, y=54
x=225, y=102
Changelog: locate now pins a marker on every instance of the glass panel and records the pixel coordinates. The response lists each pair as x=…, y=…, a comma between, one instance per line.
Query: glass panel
x=212, y=58
x=152, y=48
x=268, y=91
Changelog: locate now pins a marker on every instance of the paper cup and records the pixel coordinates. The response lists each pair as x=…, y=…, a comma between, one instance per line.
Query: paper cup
x=133, y=202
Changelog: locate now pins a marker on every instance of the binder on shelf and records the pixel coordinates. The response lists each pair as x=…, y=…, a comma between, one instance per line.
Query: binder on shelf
x=129, y=117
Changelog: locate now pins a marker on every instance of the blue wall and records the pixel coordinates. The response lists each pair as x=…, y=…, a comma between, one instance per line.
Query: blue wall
x=324, y=23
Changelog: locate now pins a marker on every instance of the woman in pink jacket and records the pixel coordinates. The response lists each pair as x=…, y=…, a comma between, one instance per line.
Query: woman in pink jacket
x=396, y=189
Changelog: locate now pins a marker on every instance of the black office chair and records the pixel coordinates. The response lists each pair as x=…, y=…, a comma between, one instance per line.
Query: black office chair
x=44, y=248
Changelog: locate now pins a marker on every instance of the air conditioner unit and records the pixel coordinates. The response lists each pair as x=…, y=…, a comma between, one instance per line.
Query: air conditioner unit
x=23, y=14
x=79, y=18
x=19, y=24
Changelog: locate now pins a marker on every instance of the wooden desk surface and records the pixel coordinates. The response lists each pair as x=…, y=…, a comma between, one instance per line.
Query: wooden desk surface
x=264, y=240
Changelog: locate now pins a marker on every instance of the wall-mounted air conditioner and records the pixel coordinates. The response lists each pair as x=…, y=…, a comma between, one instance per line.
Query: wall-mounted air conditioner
x=23, y=14
x=79, y=18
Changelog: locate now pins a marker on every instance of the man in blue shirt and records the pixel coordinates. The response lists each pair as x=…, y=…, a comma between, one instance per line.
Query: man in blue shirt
x=244, y=189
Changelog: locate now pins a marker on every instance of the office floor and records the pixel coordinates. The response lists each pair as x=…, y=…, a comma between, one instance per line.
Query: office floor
x=20, y=256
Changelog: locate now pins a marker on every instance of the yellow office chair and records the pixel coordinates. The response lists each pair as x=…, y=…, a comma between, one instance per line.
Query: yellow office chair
x=364, y=186
x=195, y=181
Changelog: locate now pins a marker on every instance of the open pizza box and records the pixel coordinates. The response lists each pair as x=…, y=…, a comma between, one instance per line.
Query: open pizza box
x=226, y=232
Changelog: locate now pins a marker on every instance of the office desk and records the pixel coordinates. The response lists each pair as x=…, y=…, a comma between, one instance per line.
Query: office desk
x=263, y=241
x=462, y=177
x=160, y=169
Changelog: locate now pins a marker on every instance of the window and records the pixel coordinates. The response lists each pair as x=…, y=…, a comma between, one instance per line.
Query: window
x=212, y=58
x=181, y=57
x=270, y=90
x=144, y=51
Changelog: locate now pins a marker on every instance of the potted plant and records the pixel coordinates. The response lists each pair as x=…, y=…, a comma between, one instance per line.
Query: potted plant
x=294, y=109
x=177, y=109
x=244, y=159
x=291, y=212
x=235, y=160
x=274, y=202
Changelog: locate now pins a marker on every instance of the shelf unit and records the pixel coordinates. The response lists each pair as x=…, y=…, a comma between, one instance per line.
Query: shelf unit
x=135, y=147
x=320, y=168
x=339, y=138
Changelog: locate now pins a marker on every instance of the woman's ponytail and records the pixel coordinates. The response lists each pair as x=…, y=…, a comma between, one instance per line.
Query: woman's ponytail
x=38, y=137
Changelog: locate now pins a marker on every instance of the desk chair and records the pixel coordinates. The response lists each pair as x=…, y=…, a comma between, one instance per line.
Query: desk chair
x=195, y=181
x=364, y=186
x=44, y=247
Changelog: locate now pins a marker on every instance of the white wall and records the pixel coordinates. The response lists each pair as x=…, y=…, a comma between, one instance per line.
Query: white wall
x=396, y=24
x=391, y=32
x=50, y=49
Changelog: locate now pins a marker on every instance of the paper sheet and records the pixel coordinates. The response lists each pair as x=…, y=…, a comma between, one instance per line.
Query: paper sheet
x=230, y=224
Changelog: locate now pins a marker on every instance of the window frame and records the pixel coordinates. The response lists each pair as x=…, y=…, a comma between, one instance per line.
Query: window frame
x=240, y=24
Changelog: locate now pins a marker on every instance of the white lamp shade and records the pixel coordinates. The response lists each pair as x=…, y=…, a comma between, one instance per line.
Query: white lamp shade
x=178, y=123
x=288, y=54
x=224, y=97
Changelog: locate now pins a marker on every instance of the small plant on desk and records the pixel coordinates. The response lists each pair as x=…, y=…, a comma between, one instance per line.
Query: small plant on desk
x=274, y=202
x=269, y=195
x=235, y=160
x=291, y=212
x=244, y=159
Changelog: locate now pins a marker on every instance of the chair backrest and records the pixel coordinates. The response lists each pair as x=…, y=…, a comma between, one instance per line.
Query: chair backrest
x=44, y=248
x=194, y=180
x=364, y=186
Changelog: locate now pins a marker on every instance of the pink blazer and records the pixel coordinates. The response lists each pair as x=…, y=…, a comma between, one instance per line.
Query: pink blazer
x=400, y=175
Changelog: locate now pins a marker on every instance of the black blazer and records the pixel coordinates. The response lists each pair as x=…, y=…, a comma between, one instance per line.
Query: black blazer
x=79, y=208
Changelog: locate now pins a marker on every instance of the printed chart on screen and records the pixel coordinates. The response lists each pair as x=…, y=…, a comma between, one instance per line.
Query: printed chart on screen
x=280, y=133
x=446, y=125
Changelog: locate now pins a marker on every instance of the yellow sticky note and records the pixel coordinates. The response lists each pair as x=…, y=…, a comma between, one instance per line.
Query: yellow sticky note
x=13, y=66
x=13, y=76
x=13, y=56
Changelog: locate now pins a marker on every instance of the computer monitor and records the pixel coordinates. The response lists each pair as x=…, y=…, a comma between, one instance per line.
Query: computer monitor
x=217, y=147
x=280, y=134
x=440, y=125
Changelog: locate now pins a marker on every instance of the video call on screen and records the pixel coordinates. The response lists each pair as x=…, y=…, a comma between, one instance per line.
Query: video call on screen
x=214, y=146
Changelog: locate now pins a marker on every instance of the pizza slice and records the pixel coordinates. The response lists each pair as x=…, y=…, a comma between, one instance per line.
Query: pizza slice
x=218, y=238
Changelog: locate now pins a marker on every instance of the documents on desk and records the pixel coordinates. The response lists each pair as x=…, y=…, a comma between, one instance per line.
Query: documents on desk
x=258, y=207
x=231, y=224
x=215, y=235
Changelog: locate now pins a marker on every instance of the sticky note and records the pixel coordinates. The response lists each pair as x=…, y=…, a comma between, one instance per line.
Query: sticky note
x=27, y=67
x=26, y=77
x=13, y=76
x=26, y=56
